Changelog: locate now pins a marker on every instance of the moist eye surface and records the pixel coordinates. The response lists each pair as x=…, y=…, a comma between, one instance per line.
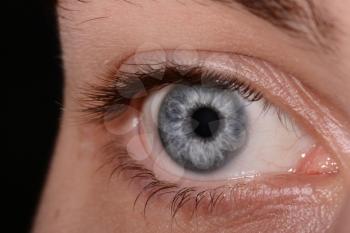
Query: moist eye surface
x=201, y=127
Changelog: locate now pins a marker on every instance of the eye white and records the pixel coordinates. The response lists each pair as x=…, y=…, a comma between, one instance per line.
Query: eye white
x=272, y=146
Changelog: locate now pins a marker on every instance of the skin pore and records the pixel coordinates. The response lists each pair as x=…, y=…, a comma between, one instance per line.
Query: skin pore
x=303, y=49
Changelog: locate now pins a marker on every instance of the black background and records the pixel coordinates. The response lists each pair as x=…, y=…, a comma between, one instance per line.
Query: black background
x=32, y=78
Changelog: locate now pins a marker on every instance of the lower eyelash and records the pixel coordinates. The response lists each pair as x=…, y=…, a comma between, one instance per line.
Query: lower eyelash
x=151, y=188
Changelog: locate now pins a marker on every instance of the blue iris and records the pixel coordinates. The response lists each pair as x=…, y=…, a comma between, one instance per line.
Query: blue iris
x=202, y=127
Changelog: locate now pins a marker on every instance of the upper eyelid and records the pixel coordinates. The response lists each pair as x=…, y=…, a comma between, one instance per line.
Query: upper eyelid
x=95, y=97
x=110, y=79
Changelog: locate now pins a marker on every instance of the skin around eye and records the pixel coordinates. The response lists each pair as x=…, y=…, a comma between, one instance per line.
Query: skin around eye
x=102, y=177
x=226, y=198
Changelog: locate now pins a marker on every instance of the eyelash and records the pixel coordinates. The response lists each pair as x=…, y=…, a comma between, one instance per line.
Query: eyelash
x=98, y=100
x=151, y=187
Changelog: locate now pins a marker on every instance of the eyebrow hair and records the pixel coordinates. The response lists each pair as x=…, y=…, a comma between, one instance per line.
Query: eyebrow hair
x=298, y=17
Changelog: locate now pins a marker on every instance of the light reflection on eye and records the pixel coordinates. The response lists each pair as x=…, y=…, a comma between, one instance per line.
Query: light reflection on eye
x=202, y=123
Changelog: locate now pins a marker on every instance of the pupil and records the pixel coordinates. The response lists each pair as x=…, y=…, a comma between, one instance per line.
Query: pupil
x=205, y=122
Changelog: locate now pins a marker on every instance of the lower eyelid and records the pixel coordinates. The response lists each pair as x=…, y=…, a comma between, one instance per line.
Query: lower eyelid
x=276, y=199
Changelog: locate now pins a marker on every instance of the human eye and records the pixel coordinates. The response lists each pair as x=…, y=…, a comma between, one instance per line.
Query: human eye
x=215, y=135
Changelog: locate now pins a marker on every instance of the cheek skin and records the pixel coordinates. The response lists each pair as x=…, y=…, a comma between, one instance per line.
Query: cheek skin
x=281, y=204
x=303, y=204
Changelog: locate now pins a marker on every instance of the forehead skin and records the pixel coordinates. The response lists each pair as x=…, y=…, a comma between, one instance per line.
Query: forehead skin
x=99, y=32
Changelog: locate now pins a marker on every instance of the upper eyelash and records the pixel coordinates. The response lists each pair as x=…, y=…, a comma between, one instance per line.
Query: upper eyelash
x=98, y=99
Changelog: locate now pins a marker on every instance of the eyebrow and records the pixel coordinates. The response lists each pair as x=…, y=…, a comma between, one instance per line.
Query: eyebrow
x=300, y=18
